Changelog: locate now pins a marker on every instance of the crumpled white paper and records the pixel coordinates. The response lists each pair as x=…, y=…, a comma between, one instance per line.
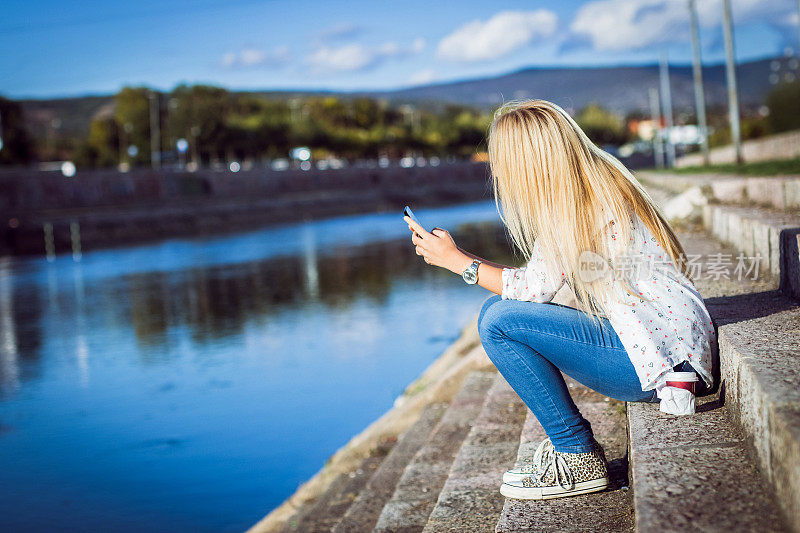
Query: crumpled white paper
x=675, y=401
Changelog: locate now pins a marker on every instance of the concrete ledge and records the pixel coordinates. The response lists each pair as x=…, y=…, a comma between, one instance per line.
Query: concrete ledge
x=780, y=192
x=760, y=361
x=694, y=473
x=770, y=234
x=785, y=145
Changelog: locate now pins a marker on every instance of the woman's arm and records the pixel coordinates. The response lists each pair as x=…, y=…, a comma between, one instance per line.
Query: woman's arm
x=484, y=261
x=531, y=283
x=439, y=249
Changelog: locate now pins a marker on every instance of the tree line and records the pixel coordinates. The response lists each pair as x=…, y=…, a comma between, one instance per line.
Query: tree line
x=214, y=124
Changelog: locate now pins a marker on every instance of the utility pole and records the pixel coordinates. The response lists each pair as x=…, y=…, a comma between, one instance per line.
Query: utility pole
x=699, y=94
x=730, y=74
x=655, y=116
x=155, y=131
x=666, y=108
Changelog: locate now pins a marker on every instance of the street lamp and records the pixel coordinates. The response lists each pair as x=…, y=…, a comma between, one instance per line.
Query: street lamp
x=730, y=75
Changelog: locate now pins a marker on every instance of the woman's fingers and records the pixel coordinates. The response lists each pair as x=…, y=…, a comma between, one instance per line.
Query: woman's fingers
x=419, y=230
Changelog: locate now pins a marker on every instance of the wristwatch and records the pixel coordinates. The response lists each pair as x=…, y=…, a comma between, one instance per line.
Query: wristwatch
x=470, y=274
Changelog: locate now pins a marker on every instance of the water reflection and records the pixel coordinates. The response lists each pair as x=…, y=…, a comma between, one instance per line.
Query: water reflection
x=199, y=382
x=219, y=301
x=9, y=370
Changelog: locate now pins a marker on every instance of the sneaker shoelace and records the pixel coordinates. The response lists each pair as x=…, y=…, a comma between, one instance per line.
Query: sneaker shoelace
x=562, y=473
x=541, y=455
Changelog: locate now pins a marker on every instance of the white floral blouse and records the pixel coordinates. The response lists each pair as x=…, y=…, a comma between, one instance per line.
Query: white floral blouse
x=670, y=326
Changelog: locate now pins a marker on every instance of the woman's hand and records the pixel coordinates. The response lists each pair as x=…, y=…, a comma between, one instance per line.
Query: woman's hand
x=438, y=248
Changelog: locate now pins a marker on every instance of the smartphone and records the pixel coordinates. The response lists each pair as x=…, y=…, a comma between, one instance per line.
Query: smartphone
x=410, y=214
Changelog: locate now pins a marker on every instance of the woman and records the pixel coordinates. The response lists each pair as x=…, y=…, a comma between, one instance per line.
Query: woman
x=581, y=218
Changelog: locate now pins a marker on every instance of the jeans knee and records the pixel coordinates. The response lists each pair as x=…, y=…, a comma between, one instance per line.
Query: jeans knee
x=489, y=316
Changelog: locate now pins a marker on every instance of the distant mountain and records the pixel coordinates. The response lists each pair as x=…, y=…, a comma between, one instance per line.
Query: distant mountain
x=620, y=88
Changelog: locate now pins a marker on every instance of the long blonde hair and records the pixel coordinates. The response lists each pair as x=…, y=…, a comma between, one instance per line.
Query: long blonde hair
x=554, y=186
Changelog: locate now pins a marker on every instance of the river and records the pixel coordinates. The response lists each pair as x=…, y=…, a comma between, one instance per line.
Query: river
x=193, y=384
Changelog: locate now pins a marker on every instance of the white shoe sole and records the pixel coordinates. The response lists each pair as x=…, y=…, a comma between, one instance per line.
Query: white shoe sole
x=514, y=476
x=547, y=493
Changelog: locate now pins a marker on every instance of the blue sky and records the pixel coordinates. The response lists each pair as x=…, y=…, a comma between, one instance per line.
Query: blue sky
x=62, y=48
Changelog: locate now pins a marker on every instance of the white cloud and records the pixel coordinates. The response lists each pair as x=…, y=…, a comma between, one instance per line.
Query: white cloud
x=500, y=35
x=254, y=57
x=345, y=58
x=339, y=32
x=613, y=25
x=354, y=57
x=422, y=77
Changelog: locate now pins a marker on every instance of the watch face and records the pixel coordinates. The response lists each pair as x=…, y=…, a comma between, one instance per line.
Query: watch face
x=470, y=276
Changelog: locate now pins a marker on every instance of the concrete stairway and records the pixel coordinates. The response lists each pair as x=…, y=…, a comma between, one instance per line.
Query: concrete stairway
x=470, y=500
x=366, y=509
x=418, y=489
x=610, y=510
x=443, y=473
x=700, y=468
x=734, y=466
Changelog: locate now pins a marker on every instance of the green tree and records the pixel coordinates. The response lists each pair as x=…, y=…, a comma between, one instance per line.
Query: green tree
x=199, y=116
x=601, y=125
x=257, y=126
x=367, y=113
x=133, y=116
x=104, y=141
x=784, y=107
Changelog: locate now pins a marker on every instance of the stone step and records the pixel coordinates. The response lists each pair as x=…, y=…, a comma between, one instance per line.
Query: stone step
x=609, y=511
x=770, y=234
x=470, y=499
x=694, y=473
x=760, y=366
x=365, y=510
x=329, y=507
x=779, y=192
x=418, y=489
x=701, y=468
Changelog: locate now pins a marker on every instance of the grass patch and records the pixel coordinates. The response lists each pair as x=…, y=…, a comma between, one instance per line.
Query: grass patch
x=756, y=168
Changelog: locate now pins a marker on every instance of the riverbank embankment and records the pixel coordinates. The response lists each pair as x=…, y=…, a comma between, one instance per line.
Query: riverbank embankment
x=105, y=208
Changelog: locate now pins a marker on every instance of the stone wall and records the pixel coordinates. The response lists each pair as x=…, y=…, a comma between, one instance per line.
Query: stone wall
x=780, y=146
x=31, y=190
x=112, y=208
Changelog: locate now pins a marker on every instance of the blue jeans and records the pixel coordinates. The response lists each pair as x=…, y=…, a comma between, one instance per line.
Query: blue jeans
x=532, y=343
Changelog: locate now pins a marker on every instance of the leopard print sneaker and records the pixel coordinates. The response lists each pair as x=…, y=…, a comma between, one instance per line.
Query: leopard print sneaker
x=562, y=474
x=540, y=458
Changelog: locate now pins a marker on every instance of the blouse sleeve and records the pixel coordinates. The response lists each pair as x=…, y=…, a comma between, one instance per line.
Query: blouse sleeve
x=531, y=283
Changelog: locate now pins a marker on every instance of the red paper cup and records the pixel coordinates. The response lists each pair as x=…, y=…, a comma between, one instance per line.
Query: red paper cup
x=682, y=380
